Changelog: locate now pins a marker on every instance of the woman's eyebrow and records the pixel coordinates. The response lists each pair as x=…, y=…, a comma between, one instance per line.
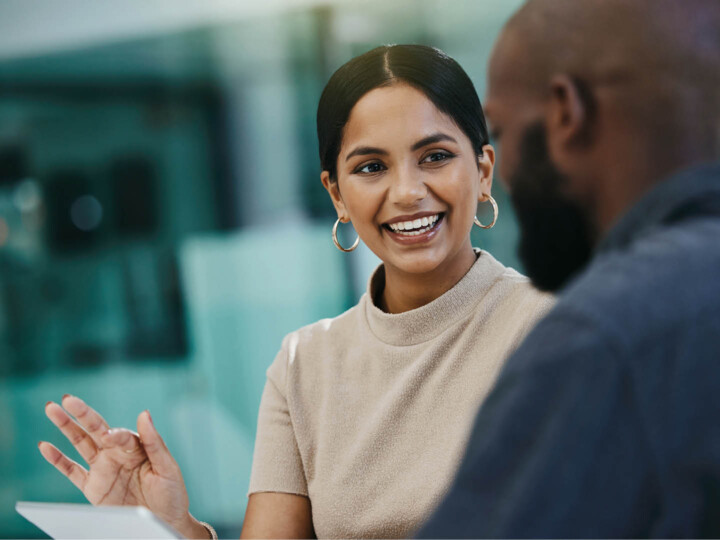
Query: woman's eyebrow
x=366, y=150
x=430, y=139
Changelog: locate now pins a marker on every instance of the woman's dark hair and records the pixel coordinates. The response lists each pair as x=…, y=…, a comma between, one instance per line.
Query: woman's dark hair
x=428, y=69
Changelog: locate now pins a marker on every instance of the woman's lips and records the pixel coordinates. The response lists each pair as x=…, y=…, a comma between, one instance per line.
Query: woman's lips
x=426, y=236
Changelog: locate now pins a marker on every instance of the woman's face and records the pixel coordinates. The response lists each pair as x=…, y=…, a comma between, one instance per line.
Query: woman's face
x=409, y=180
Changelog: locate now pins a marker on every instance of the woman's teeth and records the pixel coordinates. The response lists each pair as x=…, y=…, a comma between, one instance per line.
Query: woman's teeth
x=415, y=227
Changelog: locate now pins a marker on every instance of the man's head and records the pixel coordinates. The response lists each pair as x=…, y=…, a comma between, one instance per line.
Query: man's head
x=592, y=103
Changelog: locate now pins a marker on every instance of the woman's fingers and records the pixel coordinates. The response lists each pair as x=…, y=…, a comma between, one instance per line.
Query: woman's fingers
x=123, y=441
x=79, y=438
x=91, y=421
x=160, y=458
x=74, y=472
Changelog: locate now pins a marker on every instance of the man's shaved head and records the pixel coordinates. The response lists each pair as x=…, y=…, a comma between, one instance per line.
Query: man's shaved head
x=658, y=60
x=594, y=102
x=600, y=36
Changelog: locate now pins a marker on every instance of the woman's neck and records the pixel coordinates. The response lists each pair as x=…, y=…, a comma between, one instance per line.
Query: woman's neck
x=405, y=291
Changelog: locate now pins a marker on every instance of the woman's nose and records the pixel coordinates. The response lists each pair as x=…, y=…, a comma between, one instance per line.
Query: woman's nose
x=407, y=188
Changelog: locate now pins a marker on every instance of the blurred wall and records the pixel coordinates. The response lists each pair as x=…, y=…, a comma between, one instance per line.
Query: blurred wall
x=162, y=223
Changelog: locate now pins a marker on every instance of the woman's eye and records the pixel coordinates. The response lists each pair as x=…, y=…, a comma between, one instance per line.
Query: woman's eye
x=437, y=156
x=370, y=168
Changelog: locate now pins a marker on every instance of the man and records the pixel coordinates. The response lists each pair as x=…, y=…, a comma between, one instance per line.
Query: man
x=606, y=421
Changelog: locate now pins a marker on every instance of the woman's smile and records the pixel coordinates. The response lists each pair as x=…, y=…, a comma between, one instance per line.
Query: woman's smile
x=416, y=229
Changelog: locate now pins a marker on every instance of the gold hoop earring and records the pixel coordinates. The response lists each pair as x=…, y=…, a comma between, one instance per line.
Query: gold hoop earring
x=495, y=215
x=337, y=243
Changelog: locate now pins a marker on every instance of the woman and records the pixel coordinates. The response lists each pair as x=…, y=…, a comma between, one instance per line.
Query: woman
x=364, y=417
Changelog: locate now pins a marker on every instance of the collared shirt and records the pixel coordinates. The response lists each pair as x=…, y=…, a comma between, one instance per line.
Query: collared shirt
x=606, y=421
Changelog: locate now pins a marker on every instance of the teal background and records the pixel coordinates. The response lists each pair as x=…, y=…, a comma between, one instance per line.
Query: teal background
x=183, y=318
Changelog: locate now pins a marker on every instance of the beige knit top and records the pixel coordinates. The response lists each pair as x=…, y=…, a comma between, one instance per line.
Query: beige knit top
x=368, y=414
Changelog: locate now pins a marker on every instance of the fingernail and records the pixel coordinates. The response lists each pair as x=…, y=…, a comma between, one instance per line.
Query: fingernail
x=66, y=396
x=150, y=418
x=48, y=403
x=39, y=443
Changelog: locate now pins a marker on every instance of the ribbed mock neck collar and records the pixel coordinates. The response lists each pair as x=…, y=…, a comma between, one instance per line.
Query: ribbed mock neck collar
x=426, y=322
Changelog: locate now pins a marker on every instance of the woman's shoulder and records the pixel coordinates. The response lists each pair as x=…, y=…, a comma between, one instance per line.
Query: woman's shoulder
x=326, y=331
x=509, y=278
x=309, y=349
x=512, y=290
x=516, y=292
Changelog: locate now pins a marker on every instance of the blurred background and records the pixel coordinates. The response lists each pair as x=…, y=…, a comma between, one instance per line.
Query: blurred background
x=162, y=222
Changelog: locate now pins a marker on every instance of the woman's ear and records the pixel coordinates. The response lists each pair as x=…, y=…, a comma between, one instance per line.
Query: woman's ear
x=486, y=165
x=333, y=188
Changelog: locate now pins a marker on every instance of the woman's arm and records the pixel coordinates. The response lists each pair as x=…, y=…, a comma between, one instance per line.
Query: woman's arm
x=278, y=515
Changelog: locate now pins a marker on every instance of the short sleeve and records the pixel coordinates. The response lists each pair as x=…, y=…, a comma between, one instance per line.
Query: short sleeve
x=277, y=465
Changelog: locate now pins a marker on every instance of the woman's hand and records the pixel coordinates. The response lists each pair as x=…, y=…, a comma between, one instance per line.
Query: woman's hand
x=125, y=468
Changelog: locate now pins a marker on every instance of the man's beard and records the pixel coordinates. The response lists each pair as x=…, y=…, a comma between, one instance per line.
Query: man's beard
x=555, y=235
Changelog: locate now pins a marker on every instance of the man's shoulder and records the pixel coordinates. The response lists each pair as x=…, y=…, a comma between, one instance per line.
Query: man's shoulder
x=642, y=302
x=663, y=280
x=667, y=260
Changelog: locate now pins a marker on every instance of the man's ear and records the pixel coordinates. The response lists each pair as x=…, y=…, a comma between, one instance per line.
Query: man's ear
x=333, y=188
x=486, y=166
x=569, y=114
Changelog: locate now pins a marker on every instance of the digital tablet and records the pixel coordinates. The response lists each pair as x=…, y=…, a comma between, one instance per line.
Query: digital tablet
x=61, y=520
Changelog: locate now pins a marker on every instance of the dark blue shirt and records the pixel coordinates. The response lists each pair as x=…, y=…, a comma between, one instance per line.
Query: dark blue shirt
x=606, y=421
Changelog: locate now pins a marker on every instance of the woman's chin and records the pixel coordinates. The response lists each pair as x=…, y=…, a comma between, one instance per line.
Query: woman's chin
x=417, y=263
